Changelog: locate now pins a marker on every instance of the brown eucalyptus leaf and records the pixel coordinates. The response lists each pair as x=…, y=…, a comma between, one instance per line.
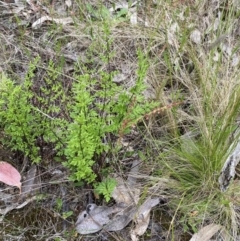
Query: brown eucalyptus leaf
x=146, y=207
x=121, y=219
x=206, y=232
x=127, y=192
x=123, y=193
x=140, y=228
x=31, y=183
x=42, y=19
x=10, y=175
x=94, y=217
x=86, y=224
x=143, y=217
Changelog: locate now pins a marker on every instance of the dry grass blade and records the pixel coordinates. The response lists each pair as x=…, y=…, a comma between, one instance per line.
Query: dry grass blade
x=41, y=20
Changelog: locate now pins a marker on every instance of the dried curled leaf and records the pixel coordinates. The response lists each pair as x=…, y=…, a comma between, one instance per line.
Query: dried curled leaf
x=118, y=216
x=123, y=193
x=94, y=218
x=121, y=219
x=206, y=232
x=9, y=175
x=142, y=218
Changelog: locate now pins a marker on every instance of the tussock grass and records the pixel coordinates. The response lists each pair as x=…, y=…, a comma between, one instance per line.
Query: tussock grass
x=201, y=131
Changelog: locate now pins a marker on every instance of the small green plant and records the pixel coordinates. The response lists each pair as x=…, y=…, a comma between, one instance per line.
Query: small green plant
x=96, y=113
x=27, y=117
x=59, y=204
x=106, y=188
x=66, y=215
x=99, y=107
x=77, y=122
x=102, y=13
x=17, y=121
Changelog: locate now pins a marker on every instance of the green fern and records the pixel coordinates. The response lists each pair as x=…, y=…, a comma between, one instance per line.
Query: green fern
x=106, y=188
